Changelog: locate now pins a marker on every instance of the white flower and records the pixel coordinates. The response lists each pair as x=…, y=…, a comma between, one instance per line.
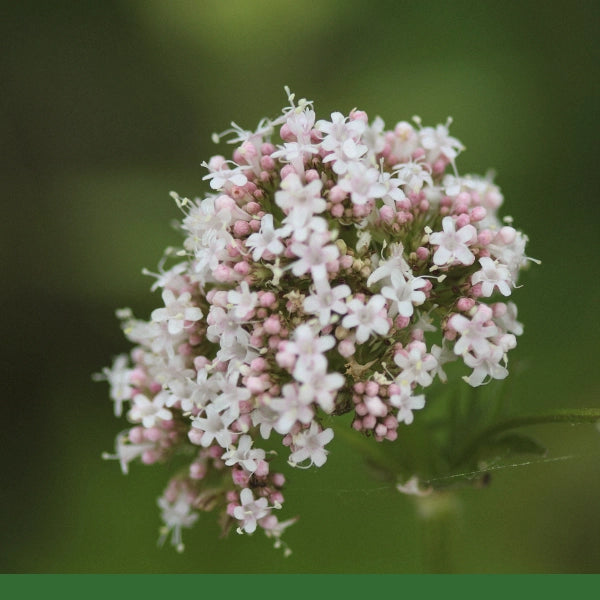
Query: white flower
x=309, y=347
x=176, y=516
x=320, y=387
x=166, y=369
x=416, y=365
x=438, y=142
x=215, y=427
x=411, y=487
x=221, y=176
x=393, y=191
x=396, y=263
x=414, y=175
x=203, y=217
x=338, y=130
x=179, y=389
x=243, y=455
x=345, y=155
x=509, y=248
x=267, y=239
x=264, y=129
x=506, y=341
x=367, y=318
x=118, y=379
x=309, y=444
x=313, y=257
x=212, y=249
x=424, y=322
x=474, y=333
x=326, y=300
x=265, y=417
x=295, y=153
x=225, y=328
x=406, y=403
x=341, y=141
x=149, y=411
x=404, y=140
x=236, y=351
x=492, y=274
x=243, y=301
x=230, y=394
x=177, y=312
x=205, y=390
x=362, y=183
x=485, y=365
x=404, y=294
x=373, y=136
x=315, y=226
x=126, y=452
x=171, y=278
x=274, y=528
x=453, y=245
x=300, y=123
x=250, y=511
x=453, y=185
x=508, y=321
x=442, y=355
x=300, y=202
x=292, y=407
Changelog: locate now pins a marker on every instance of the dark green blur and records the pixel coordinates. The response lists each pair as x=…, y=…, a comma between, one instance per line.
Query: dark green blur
x=106, y=106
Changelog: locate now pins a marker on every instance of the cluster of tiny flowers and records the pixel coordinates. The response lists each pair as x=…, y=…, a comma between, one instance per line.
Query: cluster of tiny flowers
x=335, y=267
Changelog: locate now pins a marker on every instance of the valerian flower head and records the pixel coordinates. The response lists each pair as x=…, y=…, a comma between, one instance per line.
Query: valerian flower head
x=332, y=266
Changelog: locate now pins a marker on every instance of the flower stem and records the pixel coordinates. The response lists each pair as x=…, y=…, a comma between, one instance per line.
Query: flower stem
x=438, y=520
x=573, y=416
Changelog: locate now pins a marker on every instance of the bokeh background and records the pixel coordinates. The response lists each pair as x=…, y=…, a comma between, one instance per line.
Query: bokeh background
x=108, y=105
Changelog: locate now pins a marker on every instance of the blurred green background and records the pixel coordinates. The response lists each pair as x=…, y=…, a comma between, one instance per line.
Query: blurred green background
x=106, y=106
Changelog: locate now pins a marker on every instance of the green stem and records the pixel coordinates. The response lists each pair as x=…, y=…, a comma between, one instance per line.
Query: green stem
x=573, y=416
x=438, y=522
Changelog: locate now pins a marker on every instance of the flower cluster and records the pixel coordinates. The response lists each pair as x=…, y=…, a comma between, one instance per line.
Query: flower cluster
x=335, y=267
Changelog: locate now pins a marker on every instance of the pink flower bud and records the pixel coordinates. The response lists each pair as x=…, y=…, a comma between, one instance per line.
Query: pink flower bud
x=337, y=194
x=337, y=211
x=371, y=388
x=262, y=468
x=369, y=421
x=136, y=435
x=241, y=228
x=267, y=163
x=278, y=479
x=197, y=470
x=387, y=213
x=462, y=220
x=272, y=325
x=465, y=304
x=478, y=214
x=239, y=477
x=258, y=365
x=507, y=235
x=252, y=208
x=346, y=348
x=500, y=309
x=153, y=434
x=225, y=202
